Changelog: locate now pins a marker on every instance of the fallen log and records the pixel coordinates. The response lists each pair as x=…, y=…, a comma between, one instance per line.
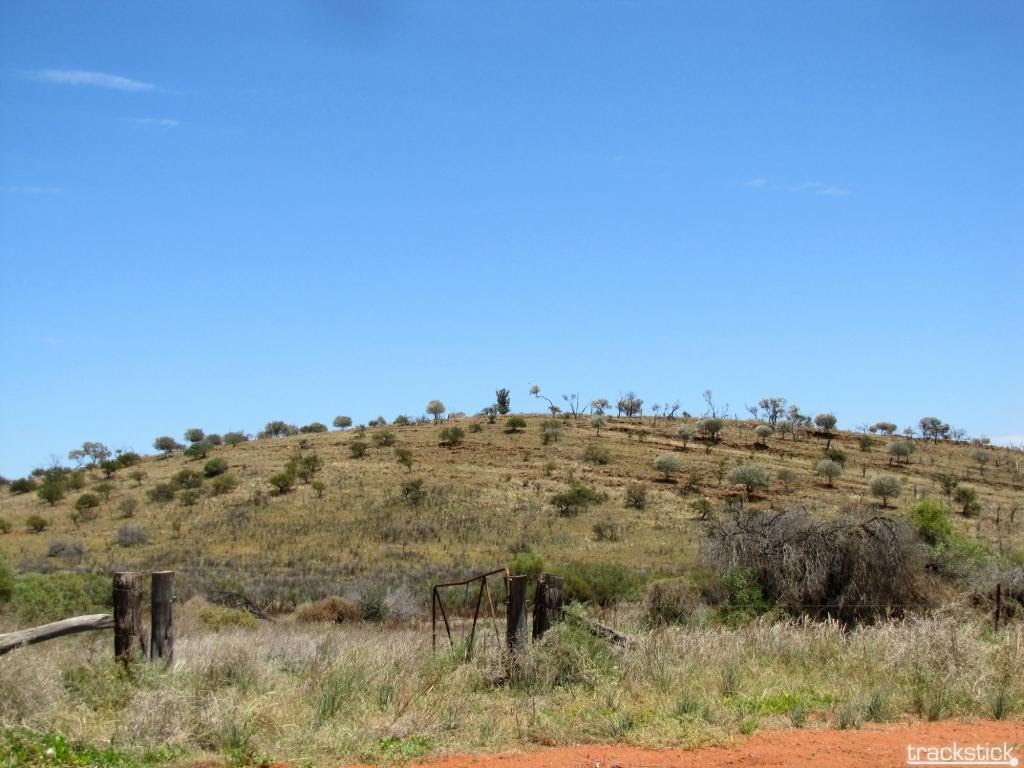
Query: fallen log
x=600, y=630
x=12, y=640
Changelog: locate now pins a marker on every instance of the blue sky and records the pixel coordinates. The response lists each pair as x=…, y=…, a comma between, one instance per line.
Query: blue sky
x=217, y=214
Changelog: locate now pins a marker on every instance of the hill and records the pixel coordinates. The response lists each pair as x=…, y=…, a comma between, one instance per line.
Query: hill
x=412, y=509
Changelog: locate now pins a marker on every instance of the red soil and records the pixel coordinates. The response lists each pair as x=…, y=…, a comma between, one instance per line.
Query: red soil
x=873, y=746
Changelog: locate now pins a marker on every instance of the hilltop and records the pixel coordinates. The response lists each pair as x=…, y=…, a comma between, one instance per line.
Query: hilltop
x=413, y=508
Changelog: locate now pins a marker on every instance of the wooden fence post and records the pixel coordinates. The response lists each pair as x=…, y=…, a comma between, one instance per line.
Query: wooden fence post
x=161, y=637
x=128, y=617
x=516, y=617
x=547, y=604
x=999, y=605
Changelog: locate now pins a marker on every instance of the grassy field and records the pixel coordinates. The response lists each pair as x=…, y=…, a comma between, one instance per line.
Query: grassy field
x=312, y=694
x=480, y=502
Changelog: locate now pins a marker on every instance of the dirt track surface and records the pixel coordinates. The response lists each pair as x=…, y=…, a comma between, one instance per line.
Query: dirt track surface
x=870, y=747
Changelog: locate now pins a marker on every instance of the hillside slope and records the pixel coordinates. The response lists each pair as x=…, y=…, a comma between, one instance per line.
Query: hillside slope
x=479, y=502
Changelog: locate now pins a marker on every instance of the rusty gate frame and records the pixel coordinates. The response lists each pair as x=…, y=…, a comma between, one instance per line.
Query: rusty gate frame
x=436, y=601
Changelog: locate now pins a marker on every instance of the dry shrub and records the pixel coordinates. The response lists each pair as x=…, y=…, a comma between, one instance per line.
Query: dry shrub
x=671, y=601
x=846, y=569
x=330, y=610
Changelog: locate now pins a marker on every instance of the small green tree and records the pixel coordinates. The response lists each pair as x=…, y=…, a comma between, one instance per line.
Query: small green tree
x=187, y=478
x=751, y=476
x=931, y=519
x=36, y=523
x=828, y=469
x=884, y=487
x=104, y=490
x=231, y=439
x=138, y=476
x=314, y=428
x=574, y=499
x=357, y=449
x=223, y=484
x=51, y=492
x=515, y=424
x=932, y=427
x=342, y=422
x=282, y=481
x=109, y=467
x=636, y=495
x=668, y=465
x=885, y=427
x=981, y=457
x=167, y=445
x=502, y=401
x=215, y=439
x=966, y=498
x=194, y=434
x=22, y=485
x=85, y=504
x=947, y=483
x=435, y=408
x=198, y=450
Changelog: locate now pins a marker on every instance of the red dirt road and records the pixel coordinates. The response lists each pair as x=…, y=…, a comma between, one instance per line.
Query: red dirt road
x=871, y=747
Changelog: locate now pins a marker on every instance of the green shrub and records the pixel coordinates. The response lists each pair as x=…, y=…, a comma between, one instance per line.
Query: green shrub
x=5, y=525
x=383, y=438
x=966, y=498
x=131, y=536
x=282, y=481
x=514, y=424
x=189, y=497
x=574, y=499
x=668, y=465
x=885, y=487
x=38, y=598
x=161, y=493
x=223, y=484
x=607, y=529
x=6, y=581
x=751, y=476
x=215, y=467
x=452, y=436
x=603, y=584
x=198, y=450
x=931, y=519
x=412, y=492
x=36, y=523
x=104, y=490
x=373, y=605
x=357, y=449
x=596, y=453
x=330, y=610
x=167, y=445
x=313, y=429
x=218, y=617
x=51, y=492
x=550, y=432
x=231, y=439
x=187, y=478
x=829, y=469
x=86, y=504
x=475, y=428
x=129, y=459
x=671, y=601
x=745, y=599
x=22, y=485
x=528, y=564
x=636, y=496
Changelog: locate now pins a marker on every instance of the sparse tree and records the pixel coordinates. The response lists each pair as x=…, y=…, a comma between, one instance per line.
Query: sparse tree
x=51, y=492
x=826, y=422
x=966, y=498
x=900, y=450
x=599, y=405
x=502, y=401
x=194, y=435
x=711, y=427
x=232, y=439
x=575, y=407
x=435, y=408
x=885, y=487
x=751, y=476
x=214, y=439
x=282, y=481
x=686, y=433
x=981, y=457
x=598, y=421
x=668, y=465
x=550, y=431
x=828, y=469
x=763, y=432
x=535, y=391
x=630, y=405
x=342, y=422
x=773, y=408
x=933, y=427
x=948, y=483
x=885, y=427
x=314, y=428
x=710, y=408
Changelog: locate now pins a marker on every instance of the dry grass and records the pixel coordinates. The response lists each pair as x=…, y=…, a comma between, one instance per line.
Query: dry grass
x=486, y=499
x=361, y=692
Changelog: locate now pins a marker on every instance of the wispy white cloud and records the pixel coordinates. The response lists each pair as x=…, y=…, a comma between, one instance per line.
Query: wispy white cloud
x=804, y=188
x=15, y=189
x=156, y=122
x=96, y=79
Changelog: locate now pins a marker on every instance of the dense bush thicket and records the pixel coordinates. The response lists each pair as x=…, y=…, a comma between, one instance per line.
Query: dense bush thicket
x=849, y=570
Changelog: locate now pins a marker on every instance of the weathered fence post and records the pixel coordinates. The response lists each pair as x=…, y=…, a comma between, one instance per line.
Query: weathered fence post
x=516, y=617
x=161, y=636
x=547, y=604
x=128, y=617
